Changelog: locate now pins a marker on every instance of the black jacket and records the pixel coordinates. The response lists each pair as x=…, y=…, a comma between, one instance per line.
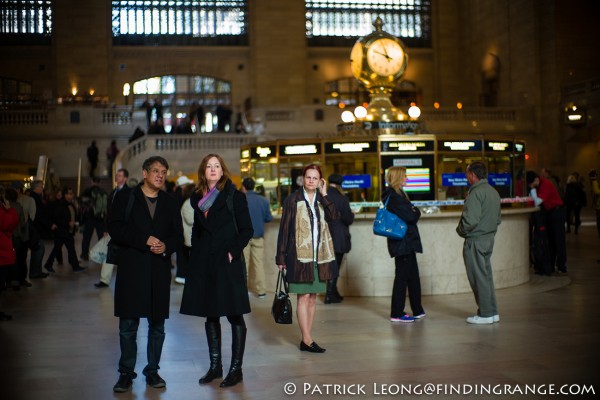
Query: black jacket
x=402, y=207
x=339, y=228
x=215, y=287
x=143, y=281
x=61, y=218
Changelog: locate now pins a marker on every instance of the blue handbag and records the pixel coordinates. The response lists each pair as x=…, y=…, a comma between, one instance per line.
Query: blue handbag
x=389, y=224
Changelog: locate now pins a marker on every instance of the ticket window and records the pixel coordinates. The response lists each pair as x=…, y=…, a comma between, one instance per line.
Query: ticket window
x=362, y=167
x=264, y=173
x=500, y=174
x=290, y=176
x=452, y=179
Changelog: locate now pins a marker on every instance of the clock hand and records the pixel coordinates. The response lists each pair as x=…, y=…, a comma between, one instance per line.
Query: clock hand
x=385, y=55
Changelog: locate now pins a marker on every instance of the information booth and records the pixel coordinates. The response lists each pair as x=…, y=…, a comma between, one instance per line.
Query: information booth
x=435, y=164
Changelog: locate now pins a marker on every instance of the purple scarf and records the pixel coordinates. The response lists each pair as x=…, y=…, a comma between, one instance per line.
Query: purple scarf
x=209, y=198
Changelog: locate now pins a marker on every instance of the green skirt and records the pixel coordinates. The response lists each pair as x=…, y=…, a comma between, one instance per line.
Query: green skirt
x=315, y=286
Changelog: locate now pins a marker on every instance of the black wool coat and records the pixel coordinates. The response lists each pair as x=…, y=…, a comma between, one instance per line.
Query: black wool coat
x=339, y=228
x=402, y=207
x=143, y=278
x=215, y=287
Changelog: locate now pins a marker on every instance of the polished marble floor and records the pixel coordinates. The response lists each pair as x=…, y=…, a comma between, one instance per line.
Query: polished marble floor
x=63, y=343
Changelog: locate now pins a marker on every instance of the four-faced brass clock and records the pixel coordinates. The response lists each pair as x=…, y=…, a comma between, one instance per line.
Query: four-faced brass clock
x=378, y=59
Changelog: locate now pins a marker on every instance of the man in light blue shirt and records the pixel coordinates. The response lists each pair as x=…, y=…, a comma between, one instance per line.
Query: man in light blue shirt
x=254, y=253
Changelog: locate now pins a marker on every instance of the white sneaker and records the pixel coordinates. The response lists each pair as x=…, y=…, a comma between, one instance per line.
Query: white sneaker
x=179, y=280
x=496, y=318
x=480, y=320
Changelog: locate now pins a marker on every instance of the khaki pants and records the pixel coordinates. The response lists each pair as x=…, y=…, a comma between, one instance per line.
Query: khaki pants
x=254, y=253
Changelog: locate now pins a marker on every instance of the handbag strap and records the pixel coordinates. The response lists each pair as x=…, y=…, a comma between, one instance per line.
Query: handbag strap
x=281, y=282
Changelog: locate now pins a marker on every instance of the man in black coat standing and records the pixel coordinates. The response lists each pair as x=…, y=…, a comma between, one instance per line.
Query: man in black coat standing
x=148, y=233
x=340, y=232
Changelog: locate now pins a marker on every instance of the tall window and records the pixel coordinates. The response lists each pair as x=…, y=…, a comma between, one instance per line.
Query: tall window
x=182, y=22
x=186, y=103
x=341, y=22
x=14, y=92
x=25, y=21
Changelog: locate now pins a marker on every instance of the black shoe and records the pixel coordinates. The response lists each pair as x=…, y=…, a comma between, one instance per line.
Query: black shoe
x=154, y=380
x=313, y=348
x=50, y=269
x=123, y=384
x=332, y=299
x=78, y=269
x=16, y=287
x=85, y=258
x=100, y=285
x=41, y=275
x=25, y=283
x=5, y=317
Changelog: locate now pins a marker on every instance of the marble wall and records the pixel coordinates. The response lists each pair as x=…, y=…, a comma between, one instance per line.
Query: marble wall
x=368, y=269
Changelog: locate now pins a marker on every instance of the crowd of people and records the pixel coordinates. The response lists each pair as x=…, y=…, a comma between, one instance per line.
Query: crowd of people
x=217, y=233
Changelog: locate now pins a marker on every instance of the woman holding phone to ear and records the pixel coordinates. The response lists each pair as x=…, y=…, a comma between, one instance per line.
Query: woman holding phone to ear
x=305, y=249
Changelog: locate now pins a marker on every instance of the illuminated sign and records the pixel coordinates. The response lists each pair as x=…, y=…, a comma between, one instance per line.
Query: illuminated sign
x=399, y=125
x=467, y=145
x=299, y=149
x=519, y=147
x=263, y=151
x=245, y=153
x=401, y=145
x=356, y=182
x=359, y=147
x=499, y=146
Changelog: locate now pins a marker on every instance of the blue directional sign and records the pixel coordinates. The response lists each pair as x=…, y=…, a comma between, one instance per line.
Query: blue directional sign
x=457, y=179
x=499, y=179
x=356, y=182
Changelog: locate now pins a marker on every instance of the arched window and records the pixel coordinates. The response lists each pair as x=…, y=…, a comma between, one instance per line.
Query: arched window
x=25, y=22
x=184, y=22
x=341, y=22
x=185, y=103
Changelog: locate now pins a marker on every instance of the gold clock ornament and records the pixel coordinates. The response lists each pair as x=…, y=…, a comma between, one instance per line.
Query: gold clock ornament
x=378, y=59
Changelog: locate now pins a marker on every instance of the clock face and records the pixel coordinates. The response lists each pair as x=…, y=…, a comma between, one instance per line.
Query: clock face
x=356, y=59
x=385, y=57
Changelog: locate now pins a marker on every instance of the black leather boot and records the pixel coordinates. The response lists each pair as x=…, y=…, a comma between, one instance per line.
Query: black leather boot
x=238, y=344
x=213, y=336
x=330, y=296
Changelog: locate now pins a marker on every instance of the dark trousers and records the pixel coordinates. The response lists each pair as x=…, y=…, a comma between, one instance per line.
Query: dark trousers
x=69, y=243
x=557, y=238
x=183, y=261
x=19, y=271
x=407, y=277
x=4, y=270
x=128, y=339
x=37, y=255
x=89, y=225
x=576, y=213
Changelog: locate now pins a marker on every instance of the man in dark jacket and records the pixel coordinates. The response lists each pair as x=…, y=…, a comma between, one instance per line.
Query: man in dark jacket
x=94, y=204
x=148, y=236
x=63, y=230
x=340, y=233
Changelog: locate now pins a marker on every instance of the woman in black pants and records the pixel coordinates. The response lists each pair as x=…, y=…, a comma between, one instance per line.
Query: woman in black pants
x=404, y=250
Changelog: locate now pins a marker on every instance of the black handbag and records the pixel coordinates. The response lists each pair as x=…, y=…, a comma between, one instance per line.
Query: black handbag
x=282, y=306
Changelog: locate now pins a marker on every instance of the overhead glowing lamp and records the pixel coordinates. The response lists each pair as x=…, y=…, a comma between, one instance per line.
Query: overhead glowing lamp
x=414, y=112
x=74, y=90
x=360, y=112
x=347, y=116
